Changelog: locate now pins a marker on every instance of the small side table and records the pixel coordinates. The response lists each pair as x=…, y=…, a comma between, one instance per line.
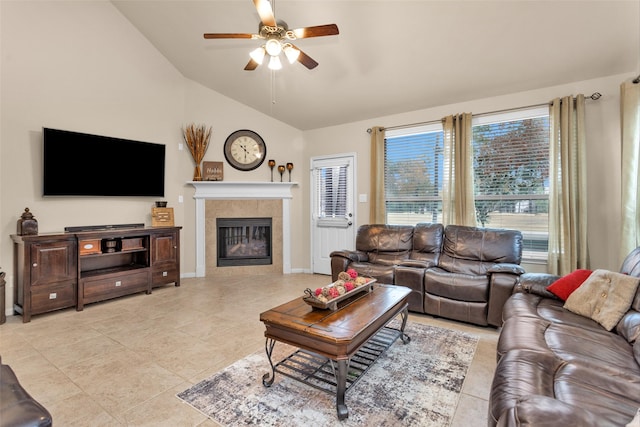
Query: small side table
x=3, y=316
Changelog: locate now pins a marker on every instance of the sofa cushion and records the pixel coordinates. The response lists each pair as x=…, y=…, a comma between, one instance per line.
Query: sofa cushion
x=565, y=286
x=604, y=297
x=384, y=238
x=472, y=250
x=427, y=242
x=629, y=326
x=456, y=286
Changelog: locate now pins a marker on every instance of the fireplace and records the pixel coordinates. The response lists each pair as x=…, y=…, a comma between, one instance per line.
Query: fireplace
x=243, y=241
x=222, y=199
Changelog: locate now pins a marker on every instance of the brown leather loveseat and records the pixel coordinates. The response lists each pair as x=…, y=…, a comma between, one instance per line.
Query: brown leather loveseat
x=457, y=272
x=559, y=368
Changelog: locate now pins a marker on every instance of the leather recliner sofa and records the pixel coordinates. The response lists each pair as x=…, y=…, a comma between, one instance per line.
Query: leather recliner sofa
x=558, y=368
x=17, y=407
x=457, y=272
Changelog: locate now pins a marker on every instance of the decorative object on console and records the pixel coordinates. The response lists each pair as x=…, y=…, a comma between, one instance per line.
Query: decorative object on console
x=162, y=217
x=289, y=168
x=245, y=150
x=197, y=139
x=161, y=204
x=212, y=171
x=272, y=163
x=281, y=170
x=27, y=224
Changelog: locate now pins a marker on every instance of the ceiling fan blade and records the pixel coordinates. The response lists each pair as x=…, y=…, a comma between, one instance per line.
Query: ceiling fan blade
x=305, y=59
x=251, y=65
x=265, y=11
x=317, y=31
x=228, y=36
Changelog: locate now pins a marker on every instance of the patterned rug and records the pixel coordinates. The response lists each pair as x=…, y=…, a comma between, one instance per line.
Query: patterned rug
x=416, y=384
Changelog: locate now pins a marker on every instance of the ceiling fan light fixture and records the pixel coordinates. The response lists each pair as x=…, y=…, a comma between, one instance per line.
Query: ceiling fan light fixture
x=291, y=53
x=258, y=54
x=273, y=47
x=274, y=63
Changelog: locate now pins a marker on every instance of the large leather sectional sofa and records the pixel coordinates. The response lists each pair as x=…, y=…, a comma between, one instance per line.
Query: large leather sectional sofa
x=17, y=407
x=558, y=368
x=456, y=272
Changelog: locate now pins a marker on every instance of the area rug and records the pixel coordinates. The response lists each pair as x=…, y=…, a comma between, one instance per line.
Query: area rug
x=415, y=384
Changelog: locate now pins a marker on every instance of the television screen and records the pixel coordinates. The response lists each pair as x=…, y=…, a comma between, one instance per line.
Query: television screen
x=80, y=164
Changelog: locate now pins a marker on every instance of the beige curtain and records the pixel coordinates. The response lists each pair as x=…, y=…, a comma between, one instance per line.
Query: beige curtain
x=458, y=206
x=377, y=212
x=630, y=125
x=567, y=186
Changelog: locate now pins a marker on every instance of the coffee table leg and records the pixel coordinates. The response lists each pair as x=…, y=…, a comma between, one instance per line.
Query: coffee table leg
x=341, y=380
x=268, y=346
x=405, y=315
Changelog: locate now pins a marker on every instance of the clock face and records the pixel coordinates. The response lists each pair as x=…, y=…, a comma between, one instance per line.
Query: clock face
x=245, y=150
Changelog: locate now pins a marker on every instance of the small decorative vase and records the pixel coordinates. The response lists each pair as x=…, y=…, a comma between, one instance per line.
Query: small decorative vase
x=197, y=174
x=27, y=224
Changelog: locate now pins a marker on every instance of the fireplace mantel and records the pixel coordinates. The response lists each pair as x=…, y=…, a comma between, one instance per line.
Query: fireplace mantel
x=248, y=190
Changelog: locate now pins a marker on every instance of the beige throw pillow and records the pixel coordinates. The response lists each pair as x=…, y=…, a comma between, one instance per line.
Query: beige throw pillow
x=604, y=297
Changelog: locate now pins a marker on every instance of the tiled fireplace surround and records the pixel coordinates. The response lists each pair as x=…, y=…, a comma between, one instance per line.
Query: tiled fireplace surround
x=221, y=199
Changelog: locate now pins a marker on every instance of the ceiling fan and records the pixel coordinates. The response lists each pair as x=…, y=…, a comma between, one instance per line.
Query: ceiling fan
x=278, y=39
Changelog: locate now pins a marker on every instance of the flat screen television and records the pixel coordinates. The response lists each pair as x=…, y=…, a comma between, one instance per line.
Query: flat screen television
x=80, y=164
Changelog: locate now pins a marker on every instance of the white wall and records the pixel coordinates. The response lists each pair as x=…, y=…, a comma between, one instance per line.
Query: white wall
x=603, y=153
x=81, y=66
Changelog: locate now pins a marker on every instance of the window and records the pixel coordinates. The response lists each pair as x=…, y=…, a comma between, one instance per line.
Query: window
x=413, y=175
x=511, y=173
x=331, y=192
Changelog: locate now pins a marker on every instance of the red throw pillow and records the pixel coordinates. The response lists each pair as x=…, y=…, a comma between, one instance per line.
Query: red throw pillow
x=564, y=286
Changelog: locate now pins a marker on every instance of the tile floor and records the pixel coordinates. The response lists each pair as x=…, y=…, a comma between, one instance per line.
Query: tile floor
x=121, y=362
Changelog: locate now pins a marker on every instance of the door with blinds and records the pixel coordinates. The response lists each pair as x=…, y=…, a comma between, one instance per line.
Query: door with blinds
x=332, y=216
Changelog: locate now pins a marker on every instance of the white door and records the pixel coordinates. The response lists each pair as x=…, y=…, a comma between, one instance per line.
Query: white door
x=332, y=208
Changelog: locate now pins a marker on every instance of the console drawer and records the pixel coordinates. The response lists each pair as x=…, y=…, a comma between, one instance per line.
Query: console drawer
x=161, y=276
x=114, y=286
x=52, y=297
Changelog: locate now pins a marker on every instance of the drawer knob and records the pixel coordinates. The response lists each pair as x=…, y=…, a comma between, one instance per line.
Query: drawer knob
x=35, y=264
x=118, y=283
x=164, y=274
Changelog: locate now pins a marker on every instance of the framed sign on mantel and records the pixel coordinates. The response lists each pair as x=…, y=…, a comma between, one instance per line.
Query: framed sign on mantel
x=212, y=171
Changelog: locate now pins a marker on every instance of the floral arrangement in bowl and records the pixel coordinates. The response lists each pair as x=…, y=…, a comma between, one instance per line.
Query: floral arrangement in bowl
x=348, y=282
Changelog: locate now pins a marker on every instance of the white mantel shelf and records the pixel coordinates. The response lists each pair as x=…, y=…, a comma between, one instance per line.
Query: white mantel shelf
x=226, y=190
x=237, y=190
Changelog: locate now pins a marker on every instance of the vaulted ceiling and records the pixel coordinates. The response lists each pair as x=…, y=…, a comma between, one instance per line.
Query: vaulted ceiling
x=393, y=56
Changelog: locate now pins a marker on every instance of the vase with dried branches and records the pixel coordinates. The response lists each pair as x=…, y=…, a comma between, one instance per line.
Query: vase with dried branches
x=197, y=139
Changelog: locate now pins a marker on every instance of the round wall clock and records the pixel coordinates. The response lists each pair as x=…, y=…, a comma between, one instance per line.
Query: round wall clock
x=245, y=150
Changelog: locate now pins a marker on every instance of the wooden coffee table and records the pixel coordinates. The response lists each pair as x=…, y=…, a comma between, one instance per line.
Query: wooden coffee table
x=335, y=348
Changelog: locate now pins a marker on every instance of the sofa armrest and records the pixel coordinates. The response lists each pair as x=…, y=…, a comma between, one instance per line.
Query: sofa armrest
x=535, y=410
x=340, y=261
x=506, y=268
x=354, y=256
x=501, y=286
x=537, y=284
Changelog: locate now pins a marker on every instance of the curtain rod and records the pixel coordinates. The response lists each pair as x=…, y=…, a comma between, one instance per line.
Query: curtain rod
x=594, y=96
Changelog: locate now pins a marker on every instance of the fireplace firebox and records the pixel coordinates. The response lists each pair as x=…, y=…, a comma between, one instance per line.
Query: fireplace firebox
x=243, y=241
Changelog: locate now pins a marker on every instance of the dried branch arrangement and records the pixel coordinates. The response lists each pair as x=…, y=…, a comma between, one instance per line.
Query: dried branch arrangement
x=197, y=139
